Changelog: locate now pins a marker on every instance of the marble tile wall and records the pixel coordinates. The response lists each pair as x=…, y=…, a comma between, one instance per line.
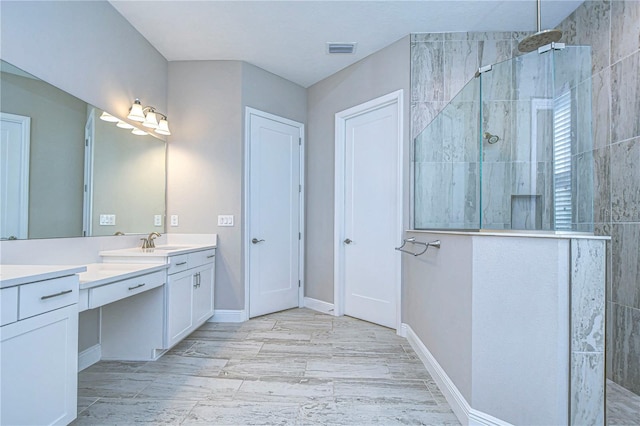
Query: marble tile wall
x=587, y=331
x=612, y=29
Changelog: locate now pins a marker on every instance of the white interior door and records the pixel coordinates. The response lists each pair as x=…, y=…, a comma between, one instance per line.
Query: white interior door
x=14, y=175
x=273, y=237
x=370, y=219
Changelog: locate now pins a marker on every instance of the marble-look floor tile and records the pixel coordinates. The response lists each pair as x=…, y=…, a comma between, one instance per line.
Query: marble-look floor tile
x=369, y=349
x=258, y=367
x=115, y=367
x=350, y=413
x=383, y=391
x=623, y=406
x=343, y=335
x=185, y=365
x=217, y=334
x=128, y=411
x=242, y=413
x=190, y=388
x=281, y=389
x=348, y=367
x=112, y=385
x=278, y=335
x=296, y=349
x=224, y=349
x=85, y=402
x=302, y=326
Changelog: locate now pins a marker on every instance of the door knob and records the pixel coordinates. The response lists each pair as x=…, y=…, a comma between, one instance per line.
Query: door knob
x=256, y=241
x=348, y=241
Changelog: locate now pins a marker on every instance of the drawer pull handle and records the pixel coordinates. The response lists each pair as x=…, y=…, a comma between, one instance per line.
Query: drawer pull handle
x=137, y=286
x=181, y=263
x=210, y=256
x=56, y=295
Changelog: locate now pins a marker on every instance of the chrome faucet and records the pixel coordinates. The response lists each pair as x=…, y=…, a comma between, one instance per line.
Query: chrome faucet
x=148, y=243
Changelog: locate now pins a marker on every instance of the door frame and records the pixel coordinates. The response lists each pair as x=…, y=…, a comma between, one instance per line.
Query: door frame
x=87, y=200
x=25, y=156
x=246, y=187
x=339, y=202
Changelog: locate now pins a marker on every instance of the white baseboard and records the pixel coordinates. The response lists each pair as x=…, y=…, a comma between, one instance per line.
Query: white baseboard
x=461, y=408
x=318, y=305
x=89, y=356
x=228, y=315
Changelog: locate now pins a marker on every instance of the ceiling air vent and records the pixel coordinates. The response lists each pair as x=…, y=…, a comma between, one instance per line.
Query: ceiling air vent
x=348, y=48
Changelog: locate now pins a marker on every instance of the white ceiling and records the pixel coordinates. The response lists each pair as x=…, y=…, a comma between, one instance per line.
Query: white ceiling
x=288, y=38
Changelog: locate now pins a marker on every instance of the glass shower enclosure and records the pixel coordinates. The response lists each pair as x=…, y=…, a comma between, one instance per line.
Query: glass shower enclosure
x=512, y=150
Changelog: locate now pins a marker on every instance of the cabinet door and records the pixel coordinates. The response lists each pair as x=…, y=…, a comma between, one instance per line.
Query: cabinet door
x=39, y=363
x=180, y=288
x=203, y=294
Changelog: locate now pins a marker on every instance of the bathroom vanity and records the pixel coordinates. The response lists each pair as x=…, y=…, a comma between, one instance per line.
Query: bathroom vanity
x=39, y=344
x=145, y=302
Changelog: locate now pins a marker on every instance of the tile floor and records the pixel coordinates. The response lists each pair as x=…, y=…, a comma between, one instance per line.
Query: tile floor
x=623, y=406
x=292, y=367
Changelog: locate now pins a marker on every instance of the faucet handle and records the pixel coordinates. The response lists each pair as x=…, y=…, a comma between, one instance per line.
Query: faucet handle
x=145, y=243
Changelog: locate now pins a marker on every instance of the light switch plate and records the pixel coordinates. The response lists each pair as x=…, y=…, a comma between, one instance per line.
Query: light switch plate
x=157, y=220
x=225, y=220
x=174, y=220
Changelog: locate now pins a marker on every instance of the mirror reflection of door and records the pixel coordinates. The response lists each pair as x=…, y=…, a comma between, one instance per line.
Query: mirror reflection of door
x=14, y=175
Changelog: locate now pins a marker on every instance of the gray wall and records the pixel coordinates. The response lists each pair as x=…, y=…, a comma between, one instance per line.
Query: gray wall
x=56, y=160
x=85, y=48
x=612, y=28
x=206, y=155
x=378, y=74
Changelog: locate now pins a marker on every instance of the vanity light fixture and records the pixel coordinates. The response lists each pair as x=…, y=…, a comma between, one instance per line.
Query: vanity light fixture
x=139, y=132
x=148, y=116
x=124, y=125
x=105, y=116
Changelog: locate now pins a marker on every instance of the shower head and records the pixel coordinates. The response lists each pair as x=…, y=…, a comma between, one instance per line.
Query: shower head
x=491, y=139
x=540, y=38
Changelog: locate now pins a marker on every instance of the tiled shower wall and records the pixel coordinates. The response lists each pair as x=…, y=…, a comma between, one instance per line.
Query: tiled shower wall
x=612, y=28
x=441, y=65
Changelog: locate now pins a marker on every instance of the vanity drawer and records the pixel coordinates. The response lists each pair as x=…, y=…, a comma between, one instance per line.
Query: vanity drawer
x=109, y=293
x=201, y=257
x=9, y=305
x=178, y=263
x=48, y=295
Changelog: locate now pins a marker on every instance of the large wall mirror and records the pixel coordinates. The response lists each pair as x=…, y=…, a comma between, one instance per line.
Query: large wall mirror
x=67, y=173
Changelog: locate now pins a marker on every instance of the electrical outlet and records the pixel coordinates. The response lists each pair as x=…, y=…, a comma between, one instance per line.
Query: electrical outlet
x=225, y=220
x=107, y=219
x=174, y=220
x=157, y=220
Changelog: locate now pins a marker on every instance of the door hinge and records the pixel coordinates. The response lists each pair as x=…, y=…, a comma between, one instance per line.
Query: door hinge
x=299, y=284
x=85, y=188
x=299, y=235
x=300, y=188
x=300, y=141
x=86, y=142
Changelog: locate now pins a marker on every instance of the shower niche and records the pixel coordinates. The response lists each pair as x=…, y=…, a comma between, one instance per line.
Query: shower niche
x=512, y=150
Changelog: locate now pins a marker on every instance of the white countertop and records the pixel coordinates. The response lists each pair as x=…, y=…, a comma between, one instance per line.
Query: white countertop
x=158, y=251
x=98, y=274
x=12, y=275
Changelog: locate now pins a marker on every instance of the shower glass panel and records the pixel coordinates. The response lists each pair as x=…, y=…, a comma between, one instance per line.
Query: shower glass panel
x=512, y=150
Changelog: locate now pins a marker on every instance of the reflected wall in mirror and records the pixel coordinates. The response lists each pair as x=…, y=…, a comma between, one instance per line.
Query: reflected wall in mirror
x=44, y=166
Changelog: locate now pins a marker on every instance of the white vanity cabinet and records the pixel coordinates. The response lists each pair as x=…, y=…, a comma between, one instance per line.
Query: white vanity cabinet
x=39, y=351
x=189, y=294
